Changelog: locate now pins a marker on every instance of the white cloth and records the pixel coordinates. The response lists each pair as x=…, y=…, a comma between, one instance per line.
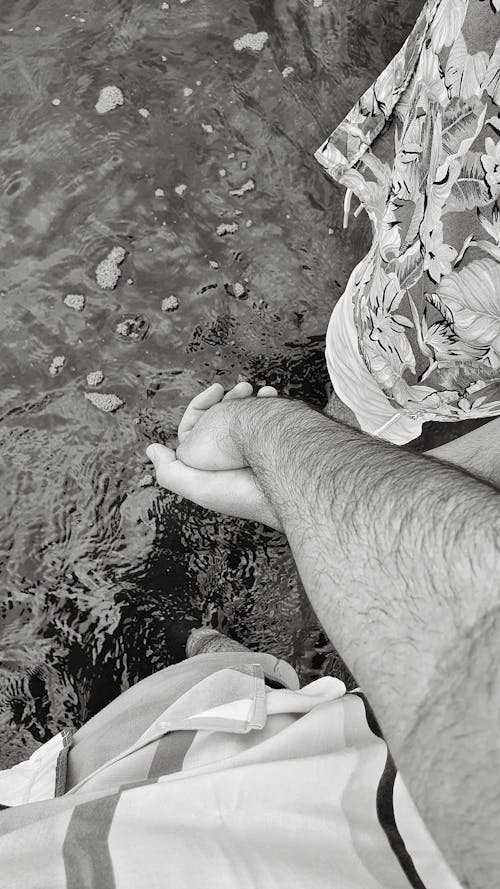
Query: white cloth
x=232, y=785
x=354, y=384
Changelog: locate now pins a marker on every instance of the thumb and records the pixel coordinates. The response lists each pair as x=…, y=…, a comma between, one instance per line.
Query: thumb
x=175, y=476
x=160, y=456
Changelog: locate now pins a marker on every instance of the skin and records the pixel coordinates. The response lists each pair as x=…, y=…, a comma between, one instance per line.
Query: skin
x=241, y=496
x=238, y=492
x=399, y=554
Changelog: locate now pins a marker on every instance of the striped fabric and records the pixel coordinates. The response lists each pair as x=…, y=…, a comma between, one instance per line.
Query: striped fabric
x=212, y=778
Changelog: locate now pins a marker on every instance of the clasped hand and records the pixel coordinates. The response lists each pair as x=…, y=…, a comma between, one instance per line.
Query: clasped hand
x=208, y=466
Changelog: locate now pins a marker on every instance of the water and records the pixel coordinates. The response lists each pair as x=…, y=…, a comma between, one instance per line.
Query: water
x=101, y=578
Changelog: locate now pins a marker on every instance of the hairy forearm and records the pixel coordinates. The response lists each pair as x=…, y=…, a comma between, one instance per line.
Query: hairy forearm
x=399, y=555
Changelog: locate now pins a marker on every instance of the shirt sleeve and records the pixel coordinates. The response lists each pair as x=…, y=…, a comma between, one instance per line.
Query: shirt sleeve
x=347, y=144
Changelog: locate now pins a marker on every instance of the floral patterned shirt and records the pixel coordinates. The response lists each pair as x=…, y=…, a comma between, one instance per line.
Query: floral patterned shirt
x=421, y=151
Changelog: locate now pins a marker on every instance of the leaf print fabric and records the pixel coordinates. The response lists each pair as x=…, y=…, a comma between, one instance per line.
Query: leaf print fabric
x=426, y=298
x=472, y=297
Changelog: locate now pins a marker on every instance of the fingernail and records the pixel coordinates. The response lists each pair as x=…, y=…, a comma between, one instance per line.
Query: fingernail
x=152, y=453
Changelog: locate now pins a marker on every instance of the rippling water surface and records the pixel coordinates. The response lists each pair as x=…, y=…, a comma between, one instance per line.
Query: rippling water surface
x=102, y=578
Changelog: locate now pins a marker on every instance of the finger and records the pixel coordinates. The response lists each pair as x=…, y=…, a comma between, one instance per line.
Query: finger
x=267, y=392
x=160, y=455
x=178, y=478
x=171, y=473
x=233, y=492
x=241, y=390
x=200, y=486
x=211, y=395
x=197, y=406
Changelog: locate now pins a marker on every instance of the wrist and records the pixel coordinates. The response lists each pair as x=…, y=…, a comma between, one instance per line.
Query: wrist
x=297, y=455
x=276, y=439
x=260, y=425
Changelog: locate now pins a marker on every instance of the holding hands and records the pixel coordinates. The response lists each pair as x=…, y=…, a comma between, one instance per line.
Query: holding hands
x=208, y=466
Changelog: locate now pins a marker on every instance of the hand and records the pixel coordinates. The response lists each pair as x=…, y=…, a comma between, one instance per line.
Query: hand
x=206, y=437
x=233, y=491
